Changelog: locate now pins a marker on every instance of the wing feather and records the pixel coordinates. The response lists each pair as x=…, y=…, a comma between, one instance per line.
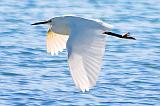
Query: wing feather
x=55, y=42
x=85, y=52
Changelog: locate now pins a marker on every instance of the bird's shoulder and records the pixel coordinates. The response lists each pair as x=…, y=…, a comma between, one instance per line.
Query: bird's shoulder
x=84, y=22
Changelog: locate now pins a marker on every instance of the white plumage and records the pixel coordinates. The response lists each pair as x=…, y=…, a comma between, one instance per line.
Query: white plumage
x=55, y=42
x=85, y=44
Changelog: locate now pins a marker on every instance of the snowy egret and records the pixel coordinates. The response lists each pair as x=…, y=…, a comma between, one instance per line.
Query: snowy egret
x=85, y=43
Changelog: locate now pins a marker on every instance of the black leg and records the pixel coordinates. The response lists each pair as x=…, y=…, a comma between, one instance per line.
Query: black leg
x=125, y=36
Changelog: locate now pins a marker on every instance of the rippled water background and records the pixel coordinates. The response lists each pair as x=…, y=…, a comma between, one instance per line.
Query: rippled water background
x=131, y=70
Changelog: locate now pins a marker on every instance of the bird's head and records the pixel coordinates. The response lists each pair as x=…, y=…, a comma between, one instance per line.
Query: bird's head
x=57, y=25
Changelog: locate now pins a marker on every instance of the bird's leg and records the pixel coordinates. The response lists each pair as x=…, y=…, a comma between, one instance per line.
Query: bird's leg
x=125, y=36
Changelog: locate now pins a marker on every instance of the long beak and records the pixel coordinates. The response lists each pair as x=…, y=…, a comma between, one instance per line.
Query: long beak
x=44, y=22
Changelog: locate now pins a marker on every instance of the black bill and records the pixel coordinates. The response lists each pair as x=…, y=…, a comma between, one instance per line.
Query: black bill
x=44, y=22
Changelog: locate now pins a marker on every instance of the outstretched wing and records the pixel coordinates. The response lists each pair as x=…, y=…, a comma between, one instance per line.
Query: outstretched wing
x=55, y=42
x=85, y=51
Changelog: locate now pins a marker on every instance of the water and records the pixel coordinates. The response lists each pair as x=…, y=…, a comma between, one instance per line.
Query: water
x=130, y=74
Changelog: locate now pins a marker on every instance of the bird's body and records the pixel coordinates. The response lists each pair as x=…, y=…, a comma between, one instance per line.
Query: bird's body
x=85, y=43
x=64, y=25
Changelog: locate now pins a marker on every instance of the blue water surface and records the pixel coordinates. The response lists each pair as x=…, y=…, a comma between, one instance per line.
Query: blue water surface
x=130, y=74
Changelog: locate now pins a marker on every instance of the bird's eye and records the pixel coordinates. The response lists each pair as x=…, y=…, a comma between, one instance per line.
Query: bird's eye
x=50, y=20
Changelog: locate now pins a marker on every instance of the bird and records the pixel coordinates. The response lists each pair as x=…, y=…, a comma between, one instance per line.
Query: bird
x=84, y=40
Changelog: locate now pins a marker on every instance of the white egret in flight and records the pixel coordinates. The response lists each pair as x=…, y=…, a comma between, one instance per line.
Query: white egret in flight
x=85, y=43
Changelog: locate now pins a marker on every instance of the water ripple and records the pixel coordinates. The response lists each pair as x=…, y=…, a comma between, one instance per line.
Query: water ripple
x=30, y=77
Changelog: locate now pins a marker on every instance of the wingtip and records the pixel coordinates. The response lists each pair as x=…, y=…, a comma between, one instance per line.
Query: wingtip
x=85, y=90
